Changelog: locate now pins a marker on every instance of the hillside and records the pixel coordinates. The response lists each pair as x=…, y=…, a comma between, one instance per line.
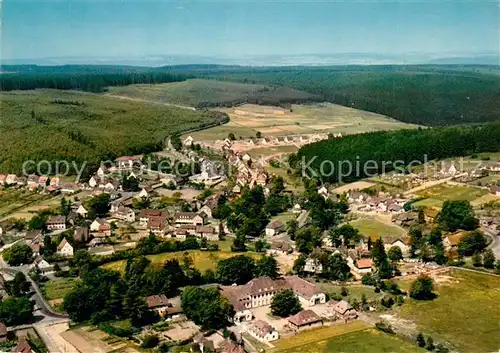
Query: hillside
x=376, y=151
x=64, y=125
x=211, y=93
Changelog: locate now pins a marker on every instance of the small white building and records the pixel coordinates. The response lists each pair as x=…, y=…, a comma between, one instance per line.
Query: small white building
x=56, y=223
x=92, y=182
x=262, y=331
x=82, y=211
x=275, y=227
x=313, y=266
x=65, y=249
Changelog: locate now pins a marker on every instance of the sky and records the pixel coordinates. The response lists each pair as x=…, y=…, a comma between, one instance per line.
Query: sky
x=142, y=28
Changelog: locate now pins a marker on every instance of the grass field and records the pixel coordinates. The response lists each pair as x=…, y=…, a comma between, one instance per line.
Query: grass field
x=12, y=200
x=203, y=260
x=446, y=192
x=465, y=313
x=58, y=288
x=84, y=127
x=198, y=92
x=302, y=342
x=377, y=229
x=311, y=118
x=371, y=341
x=353, y=291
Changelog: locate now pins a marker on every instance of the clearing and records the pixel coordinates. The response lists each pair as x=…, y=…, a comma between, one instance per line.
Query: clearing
x=465, y=313
x=203, y=260
x=312, y=118
x=375, y=228
x=209, y=93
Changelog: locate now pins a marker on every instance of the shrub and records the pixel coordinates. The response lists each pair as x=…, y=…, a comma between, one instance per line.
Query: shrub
x=150, y=341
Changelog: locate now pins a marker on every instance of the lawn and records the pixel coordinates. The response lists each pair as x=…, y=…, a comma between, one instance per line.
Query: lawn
x=365, y=341
x=203, y=260
x=445, y=192
x=466, y=312
x=12, y=200
x=353, y=291
x=377, y=229
x=58, y=288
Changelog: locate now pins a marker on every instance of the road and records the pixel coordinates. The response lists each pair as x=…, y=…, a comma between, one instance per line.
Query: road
x=151, y=102
x=495, y=241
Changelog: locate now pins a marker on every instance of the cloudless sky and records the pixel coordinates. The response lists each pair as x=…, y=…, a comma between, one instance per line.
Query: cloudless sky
x=48, y=28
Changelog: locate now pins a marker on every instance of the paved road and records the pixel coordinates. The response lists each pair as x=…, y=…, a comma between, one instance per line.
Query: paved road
x=495, y=241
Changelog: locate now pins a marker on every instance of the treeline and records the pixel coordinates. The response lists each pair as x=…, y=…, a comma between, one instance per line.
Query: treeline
x=355, y=157
x=84, y=81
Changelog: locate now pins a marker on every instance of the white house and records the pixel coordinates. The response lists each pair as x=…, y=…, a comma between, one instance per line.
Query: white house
x=56, y=223
x=323, y=191
x=101, y=172
x=262, y=331
x=313, y=266
x=82, y=211
x=65, y=249
x=143, y=194
x=125, y=214
x=92, y=182
x=296, y=208
x=359, y=267
x=275, y=227
x=403, y=244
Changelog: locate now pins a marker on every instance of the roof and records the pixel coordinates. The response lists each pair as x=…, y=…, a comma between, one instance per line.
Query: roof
x=228, y=346
x=32, y=234
x=364, y=263
x=283, y=246
x=62, y=244
x=185, y=215
x=81, y=234
x=261, y=327
x=275, y=224
x=23, y=346
x=155, y=301
x=302, y=287
x=304, y=317
x=342, y=307
x=56, y=220
x=454, y=239
x=205, y=229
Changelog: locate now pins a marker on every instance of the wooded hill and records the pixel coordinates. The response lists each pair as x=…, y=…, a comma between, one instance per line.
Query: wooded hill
x=404, y=145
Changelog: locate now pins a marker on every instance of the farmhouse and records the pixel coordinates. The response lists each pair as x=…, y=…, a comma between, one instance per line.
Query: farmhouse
x=65, y=249
x=342, y=310
x=402, y=243
x=159, y=303
x=42, y=265
x=304, y=320
x=275, y=227
x=281, y=247
x=56, y=223
x=262, y=331
x=190, y=218
x=125, y=214
x=101, y=227
x=148, y=214
x=313, y=266
x=359, y=267
x=127, y=162
x=452, y=240
x=156, y=225
x=260, y=291
x=82, y=211
x=206, y=232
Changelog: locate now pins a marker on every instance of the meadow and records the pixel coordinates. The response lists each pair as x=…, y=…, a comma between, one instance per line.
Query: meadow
x=84, y=127
x=201, y=93
x=435, y=196
x=58, y=288
x=202, y=260
x=311, y=118
x=465, y=313
x=374, y=228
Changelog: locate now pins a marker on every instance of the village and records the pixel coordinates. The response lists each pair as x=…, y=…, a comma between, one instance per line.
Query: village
x=126, y=203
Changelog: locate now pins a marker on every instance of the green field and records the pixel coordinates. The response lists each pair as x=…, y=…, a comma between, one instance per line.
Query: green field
x=445, y=192
x=371, y=341
x=58, y=288
x=377, y=229
x=353, y=291
x=466, y=312
x=312, y=118
x=84, y=127
x=203, y=260
x=209, y=93
x=12, y=200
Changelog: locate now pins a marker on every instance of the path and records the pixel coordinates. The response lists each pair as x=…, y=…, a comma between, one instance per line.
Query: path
x=495, y=241
x=150, y=102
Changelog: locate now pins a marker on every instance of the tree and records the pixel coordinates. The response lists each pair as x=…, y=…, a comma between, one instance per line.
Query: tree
x=98, y=206
x=206, y=307
x=420, y=340
x=239, y=243
x=336, y=268
x=231, y=136
x=18, y=254
x=259, y=245
x=430, y=344
x=395, y=254
x=258, y=134
x=38, y=221
x=130, y=183
x=16, y=311
x=65, y=207
x=457, y=215
x=19, y=286
x=378, y=252
x=347, y=233
x=267, y=266
x=471, y=243
x=238, y=269
x=150, y=341
x=285, y=303
x=291, y=228
x=299, y=264
x=489, y=259
x=422, y=288
x=421, y=216
x=477, y=260
x=307, y=239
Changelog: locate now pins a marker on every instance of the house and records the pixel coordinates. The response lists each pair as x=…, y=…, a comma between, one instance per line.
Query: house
x=101, y=172
x=260, y=292
x=127, y=162
x=65, y=249
x=313, y=266
x=92, y=182
x=156, y=225
x=42, y=265
x=304, y=320
x=206, y=232
x=228, y=346
x=236, y=189
x=275, y=227
x=323, y=191
x=54, y=181
x=402, y=243
x=22, y=346
x=2, y=179
x=451, y=241
x=190, y=218
x=3, y=332
x=143, y=194
x=209, y=206
x=188, y=141
x=82, y=211
x=158, y=303
x=146, y=215
x=297, y=209
x=125, y=214
x=42, y=181
x=56, y=223
x=359, y=267
x=168, y=179
x=67, y=187
x=262, y=331
x=101, y=228
x=10, y=179
x=34, y=239
x=180, y=233
x=282, y=248
x=32, y=182
x=342, y=310
x=81, y=234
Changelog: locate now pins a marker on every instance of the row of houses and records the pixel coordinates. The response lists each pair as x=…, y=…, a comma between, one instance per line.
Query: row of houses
x=368, y=202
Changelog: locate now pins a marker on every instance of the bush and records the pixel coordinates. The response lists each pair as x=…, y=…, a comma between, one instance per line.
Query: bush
x=384, y=327
x=150, y=341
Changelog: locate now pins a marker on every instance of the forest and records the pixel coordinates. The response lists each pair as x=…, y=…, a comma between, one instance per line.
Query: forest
x=84, y=127
x=382, y=147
